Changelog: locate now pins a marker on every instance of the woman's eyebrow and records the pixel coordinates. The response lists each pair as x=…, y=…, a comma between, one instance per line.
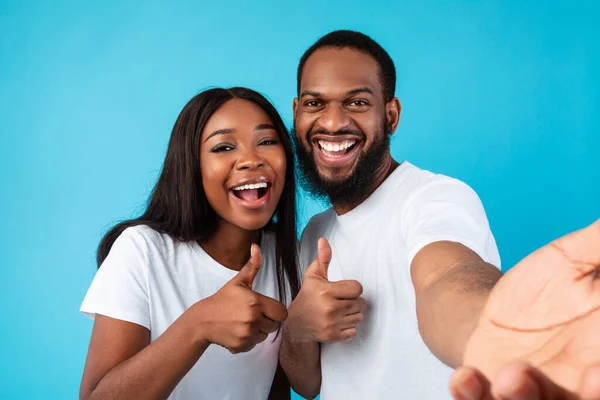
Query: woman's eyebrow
x=262, y=127
x=220, y=132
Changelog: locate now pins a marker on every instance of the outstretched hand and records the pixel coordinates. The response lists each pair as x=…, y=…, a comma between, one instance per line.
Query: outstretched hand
x=539, y=334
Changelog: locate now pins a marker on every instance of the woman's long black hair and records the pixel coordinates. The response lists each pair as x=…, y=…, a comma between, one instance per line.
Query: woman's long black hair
x=178, y=205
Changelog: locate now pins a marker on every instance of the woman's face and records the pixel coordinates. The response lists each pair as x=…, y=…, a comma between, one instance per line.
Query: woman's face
x=243, y=165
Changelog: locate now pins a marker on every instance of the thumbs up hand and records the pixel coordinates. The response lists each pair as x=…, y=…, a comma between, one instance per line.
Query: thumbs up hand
x=248, y=272
x=325, y=311
x=236, y=317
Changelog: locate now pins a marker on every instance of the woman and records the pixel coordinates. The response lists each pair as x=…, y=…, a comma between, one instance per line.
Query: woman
x=184, y=288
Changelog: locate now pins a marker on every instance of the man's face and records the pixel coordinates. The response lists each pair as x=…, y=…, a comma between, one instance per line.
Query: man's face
x=342, y=124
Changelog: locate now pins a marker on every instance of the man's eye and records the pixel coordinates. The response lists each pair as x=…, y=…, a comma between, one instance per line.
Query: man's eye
x=312, y=103
x=221, y=148
x=358, y=103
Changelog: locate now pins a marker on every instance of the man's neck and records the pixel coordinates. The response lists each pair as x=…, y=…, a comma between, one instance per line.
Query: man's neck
x=383, y=172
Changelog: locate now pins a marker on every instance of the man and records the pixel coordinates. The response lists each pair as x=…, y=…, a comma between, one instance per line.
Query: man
x=395, y=289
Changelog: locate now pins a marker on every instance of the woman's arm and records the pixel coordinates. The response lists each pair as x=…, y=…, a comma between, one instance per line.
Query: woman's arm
x=122, y=364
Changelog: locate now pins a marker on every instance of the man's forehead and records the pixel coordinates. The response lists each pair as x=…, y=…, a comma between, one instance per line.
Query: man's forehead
x=339, y=71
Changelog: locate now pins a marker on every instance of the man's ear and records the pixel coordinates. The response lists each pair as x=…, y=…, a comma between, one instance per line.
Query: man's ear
x=295, y=106
x=393, y=108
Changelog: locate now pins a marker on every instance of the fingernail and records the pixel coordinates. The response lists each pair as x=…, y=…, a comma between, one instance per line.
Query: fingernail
x=464, y=395
x=524, y=390
x=473, y=393
x=590, y=384
x=470, y=388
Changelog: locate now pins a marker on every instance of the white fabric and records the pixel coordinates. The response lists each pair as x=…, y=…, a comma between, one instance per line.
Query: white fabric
x=150, y=280
x=375, y=244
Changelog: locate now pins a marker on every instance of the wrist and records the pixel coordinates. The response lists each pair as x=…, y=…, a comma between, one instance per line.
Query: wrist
x=294, y=327
x=199, y=327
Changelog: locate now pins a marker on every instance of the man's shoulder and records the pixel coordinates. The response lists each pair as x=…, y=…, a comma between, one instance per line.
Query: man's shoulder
x=414, y=180
x=319, y=225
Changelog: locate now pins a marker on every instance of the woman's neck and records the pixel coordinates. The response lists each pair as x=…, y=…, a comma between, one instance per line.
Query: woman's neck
x=230, y=245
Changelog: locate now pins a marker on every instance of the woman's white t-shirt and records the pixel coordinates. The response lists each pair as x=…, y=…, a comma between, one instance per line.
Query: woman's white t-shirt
x=150, y=280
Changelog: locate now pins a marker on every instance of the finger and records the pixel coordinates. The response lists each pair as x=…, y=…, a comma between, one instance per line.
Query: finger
x=589, y=389
x=352, y=306
x=583, y=246
x=468, y=383
x=248, y=272
x=272, y=309
x=260, y=337
x=344, y=307
x=320, y=266
x=520, y=381
x=347, y=289
x=245, y=349
x=347, y=335
x=351, y=321
x=267, y=325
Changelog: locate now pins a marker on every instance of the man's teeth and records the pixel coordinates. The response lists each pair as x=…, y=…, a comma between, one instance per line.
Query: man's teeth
x=328, y=146
x=251, y=186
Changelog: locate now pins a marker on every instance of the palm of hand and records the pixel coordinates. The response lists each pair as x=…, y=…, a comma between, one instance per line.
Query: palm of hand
x=545, y=311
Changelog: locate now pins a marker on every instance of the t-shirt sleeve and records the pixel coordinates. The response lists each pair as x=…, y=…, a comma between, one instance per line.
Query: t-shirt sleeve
x=447, y=210
x=319, y=226
x=120, y=288
x=303, y=253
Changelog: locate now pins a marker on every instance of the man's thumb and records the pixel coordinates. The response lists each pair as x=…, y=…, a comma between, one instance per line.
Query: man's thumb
x=248, y=272
x=321, y=263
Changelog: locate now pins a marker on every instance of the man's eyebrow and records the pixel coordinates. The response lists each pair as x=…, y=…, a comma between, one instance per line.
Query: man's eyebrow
x=219, y=132
x=310, y=93
x=262, y=127
x=360, y=90
x=352, y=92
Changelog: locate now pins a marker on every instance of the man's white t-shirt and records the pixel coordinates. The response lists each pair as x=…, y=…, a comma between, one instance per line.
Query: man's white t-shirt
x=150, y=280
x=375, y=244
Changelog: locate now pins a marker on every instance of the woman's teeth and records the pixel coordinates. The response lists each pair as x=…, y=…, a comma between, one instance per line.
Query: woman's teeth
x=259, y=185
x=251, y=191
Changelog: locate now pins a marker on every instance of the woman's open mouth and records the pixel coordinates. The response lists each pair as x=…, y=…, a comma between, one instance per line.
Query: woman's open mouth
x=251, y=195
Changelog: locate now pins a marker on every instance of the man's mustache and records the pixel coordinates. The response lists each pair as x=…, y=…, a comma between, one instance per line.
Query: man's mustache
x=321, y=131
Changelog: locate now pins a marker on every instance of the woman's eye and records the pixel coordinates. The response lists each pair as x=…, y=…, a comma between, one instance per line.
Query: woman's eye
x=221, y=148
x=269, y=142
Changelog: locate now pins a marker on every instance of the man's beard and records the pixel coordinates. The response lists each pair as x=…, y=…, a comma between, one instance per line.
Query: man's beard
x=354, y=188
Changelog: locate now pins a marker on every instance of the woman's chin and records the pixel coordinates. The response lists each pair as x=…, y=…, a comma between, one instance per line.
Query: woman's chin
x=252, y=223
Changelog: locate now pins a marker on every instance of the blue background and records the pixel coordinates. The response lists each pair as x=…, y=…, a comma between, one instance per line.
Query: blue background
x=503, y=95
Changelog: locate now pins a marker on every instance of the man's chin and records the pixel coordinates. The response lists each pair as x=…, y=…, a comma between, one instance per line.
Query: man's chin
x=334, y=176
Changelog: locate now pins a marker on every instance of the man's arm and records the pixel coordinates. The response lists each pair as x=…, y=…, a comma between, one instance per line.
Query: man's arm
x=323, y=312
x=301, y=361
x=452, y=284
x=538, y=334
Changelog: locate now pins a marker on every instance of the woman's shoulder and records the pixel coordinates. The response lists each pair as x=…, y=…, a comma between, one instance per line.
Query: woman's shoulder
x=145, y=233
x=147, y=241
